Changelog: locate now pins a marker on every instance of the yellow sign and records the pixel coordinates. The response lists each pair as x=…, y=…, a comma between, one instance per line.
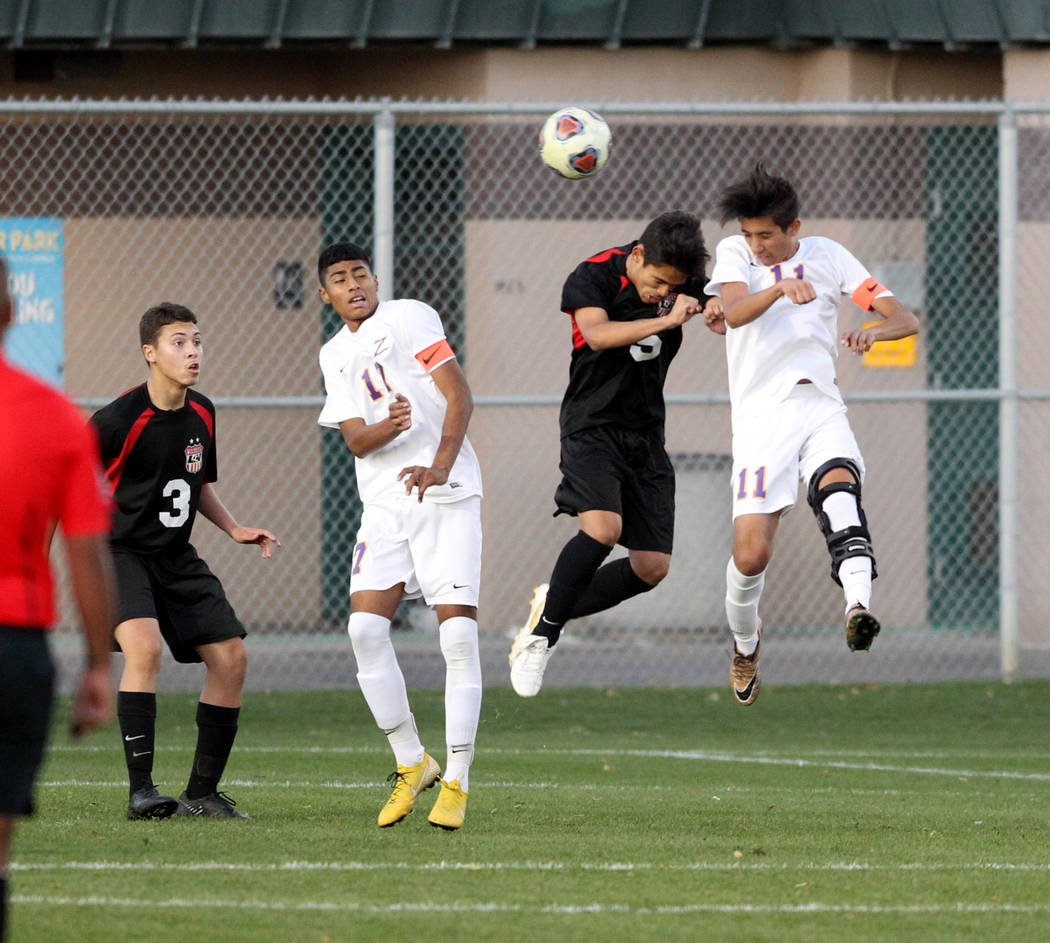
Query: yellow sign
x=898, y=353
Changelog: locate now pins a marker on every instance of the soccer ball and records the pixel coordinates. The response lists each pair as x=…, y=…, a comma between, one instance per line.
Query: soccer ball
x=575, y=142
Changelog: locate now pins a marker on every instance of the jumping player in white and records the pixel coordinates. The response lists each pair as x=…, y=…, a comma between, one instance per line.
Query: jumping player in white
x=397, y=394
x=781, y=296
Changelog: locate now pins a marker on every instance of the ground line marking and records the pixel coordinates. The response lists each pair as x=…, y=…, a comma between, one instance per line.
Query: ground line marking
x=496, y=907
x=611, y=866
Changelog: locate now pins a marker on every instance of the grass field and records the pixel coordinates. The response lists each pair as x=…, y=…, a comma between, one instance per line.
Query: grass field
x=820, y=813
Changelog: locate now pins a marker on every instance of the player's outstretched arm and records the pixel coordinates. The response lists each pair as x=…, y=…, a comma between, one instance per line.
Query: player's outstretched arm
x=897, y=322
x=453, y=385
x=91, y=574
x=214, y=510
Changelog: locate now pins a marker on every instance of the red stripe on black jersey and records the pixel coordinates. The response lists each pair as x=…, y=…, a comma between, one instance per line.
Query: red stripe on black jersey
x=205, y=415
x=606, y=255
x=116, y=468
x=578, y=340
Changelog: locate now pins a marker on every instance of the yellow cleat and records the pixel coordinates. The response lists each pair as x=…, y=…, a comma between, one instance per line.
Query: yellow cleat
x=450, y=808
x=409, y=782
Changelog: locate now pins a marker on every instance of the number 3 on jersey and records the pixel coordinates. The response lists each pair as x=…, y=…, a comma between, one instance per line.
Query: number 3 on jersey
x=180, y=493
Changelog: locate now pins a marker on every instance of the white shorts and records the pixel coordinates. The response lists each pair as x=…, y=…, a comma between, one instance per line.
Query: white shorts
x=773, y=452
x=433, y=548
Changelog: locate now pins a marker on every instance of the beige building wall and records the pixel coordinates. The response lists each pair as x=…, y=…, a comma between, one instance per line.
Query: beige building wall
x=543, y=74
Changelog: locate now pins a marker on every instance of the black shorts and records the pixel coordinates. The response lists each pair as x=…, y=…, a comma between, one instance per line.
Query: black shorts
x=27, y=684
x=627, y=471
x=181, y=593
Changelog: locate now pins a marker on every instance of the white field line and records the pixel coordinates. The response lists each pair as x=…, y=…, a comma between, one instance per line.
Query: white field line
x=538, y=866
x=754, y=756
x=720, y=792
x=734, y=758
x=559, y=909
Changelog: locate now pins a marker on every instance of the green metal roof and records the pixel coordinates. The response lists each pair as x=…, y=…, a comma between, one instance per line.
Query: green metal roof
x=527, y=23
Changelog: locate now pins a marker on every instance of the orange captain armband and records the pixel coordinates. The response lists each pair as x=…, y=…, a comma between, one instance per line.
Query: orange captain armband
x=435, y=355
x=864, y=296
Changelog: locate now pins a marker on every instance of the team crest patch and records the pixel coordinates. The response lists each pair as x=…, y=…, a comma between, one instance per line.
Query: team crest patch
x=194, y=456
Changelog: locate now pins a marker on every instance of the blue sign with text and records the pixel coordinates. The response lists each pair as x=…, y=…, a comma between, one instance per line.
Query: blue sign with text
x=32, y=247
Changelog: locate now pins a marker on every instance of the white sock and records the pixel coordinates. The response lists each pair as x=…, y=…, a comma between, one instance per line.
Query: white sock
x=383, y=685
x=459, y=645
x=742, y=595
x=854, y=572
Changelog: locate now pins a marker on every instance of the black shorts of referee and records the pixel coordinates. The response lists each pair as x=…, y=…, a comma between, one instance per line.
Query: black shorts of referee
x=627, y=471
x=27, y=686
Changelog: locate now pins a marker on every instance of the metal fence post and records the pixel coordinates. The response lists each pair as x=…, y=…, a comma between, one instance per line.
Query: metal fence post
x=384, y=126
x=1008, y=397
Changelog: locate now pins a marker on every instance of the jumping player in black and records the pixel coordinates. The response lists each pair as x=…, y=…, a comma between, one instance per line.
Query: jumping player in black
x=158, y=451
x=627, y=306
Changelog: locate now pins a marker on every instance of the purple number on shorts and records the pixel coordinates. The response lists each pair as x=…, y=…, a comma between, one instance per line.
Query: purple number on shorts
x=359, y=554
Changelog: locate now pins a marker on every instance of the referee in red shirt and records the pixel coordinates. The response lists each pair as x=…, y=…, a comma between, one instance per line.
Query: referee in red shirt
x=49, y=475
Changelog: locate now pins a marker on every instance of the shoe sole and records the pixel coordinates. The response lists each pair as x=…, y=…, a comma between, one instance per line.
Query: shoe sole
x=861, y=631
x=162, y=810
x=447, y=828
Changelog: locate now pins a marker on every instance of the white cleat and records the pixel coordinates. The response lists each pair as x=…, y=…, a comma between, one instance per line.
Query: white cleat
x=530, y=653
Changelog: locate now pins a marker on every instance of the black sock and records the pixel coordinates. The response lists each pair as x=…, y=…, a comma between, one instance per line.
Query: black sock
x=612, y=584
x=216, y=730
x=573, y=572
x=137, y=713
x=3, y=905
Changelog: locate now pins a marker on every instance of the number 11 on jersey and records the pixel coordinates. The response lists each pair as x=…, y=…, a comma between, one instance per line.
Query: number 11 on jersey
x=760, y=484
x=799, y=271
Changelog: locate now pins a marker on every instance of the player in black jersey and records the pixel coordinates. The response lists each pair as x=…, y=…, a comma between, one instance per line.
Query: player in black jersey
x=627, y=306
x=158, y=451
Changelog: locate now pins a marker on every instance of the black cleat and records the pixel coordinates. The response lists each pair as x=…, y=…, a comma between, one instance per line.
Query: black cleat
x=216, y=806
x=861, y=629
x=147, y=803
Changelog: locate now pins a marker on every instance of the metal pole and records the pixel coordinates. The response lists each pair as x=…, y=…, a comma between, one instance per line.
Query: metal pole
x=1009, y=620
x=384, y=126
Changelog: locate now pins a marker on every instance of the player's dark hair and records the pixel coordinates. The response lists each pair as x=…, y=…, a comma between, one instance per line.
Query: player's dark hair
x=761, y=194
x=167, y=312
x=340, y=252
x=675, y=239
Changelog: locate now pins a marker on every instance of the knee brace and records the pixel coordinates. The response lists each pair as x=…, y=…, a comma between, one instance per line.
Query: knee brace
x=849, y=542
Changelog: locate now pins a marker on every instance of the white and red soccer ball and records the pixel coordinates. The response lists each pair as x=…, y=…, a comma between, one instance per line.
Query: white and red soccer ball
x=575, y=142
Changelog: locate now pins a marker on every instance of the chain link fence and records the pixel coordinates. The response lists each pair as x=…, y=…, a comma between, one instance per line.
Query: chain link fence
x=224, y=206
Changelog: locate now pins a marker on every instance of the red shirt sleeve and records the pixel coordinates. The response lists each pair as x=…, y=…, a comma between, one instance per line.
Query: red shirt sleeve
x=85, y=506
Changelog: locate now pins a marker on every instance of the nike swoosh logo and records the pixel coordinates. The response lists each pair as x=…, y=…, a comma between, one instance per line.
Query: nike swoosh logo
x=129, y=739
x=427, y=360
x=143, y=753
x=746, y=693
x=460, y=749
x=463, y=586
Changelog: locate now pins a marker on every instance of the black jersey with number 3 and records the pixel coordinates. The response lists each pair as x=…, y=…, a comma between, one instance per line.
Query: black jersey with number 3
x=619, y=385
x=156, y=461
